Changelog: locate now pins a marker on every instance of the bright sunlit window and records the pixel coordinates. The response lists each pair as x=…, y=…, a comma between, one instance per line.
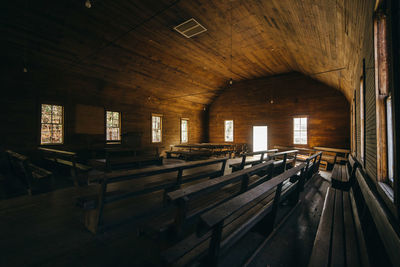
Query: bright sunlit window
x=113, y=131
x=156, y=126
x=229, y=131
x=300, y=130
x=184, y=130
x=52, y=124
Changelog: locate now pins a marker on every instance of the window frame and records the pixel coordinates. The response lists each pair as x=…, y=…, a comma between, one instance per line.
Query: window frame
x=187, y=130
x=362, y=114
x=120, y=127
x=40, y=123
x=382, y=95
x=300, y=117
x=233, y=131
x=161, y=128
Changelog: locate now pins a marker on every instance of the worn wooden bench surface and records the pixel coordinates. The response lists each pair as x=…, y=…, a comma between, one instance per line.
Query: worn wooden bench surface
x=32, y=176
x=94, y=204
x=343, y=176
x=220, y=227
x=196, y=199
x=244, y=162
x=339, y=240
x=79, y=171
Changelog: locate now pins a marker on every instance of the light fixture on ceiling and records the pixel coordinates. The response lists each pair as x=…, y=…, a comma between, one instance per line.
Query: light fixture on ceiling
x=88, y=4
x=25, y=70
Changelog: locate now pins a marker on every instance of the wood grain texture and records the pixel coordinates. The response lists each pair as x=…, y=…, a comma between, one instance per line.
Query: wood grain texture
x=248, y=104
x=133, y=45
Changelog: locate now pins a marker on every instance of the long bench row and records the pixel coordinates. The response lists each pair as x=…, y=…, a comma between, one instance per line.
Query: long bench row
x=227, y=221
x=340, y=239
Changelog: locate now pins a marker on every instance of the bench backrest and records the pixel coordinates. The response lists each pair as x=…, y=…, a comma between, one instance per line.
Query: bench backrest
x=261, y=153
x=20, y=166
x=123, y=175
x=56, y=154
x=217, y=183
x=384, y=221
x=217, y=215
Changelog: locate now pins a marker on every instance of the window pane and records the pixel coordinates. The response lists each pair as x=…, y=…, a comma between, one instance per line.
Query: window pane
x=57, y=134
x=156, y=129
x=46, y=133
x=46, y=118
x=46, y=109
x=113, y=131
x=390, y=138
x=300, y=130
x=229, y=131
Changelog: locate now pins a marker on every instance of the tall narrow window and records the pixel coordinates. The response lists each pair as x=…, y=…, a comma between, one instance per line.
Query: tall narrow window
x=383, y=101
x=113, y=131
x=156, y=126
x=362, y=122
x=52, y=124
x=300, y=130
x=229, y=131
x=390, y=139
x=184, y=130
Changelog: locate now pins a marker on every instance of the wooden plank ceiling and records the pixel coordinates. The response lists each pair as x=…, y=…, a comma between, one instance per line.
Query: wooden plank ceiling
x=133, y=44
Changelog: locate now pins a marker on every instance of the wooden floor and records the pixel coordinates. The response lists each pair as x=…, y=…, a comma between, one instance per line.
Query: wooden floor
x=46, y=230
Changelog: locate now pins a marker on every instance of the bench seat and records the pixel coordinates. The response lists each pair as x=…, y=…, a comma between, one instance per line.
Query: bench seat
x=194, y=247
x=339, y=240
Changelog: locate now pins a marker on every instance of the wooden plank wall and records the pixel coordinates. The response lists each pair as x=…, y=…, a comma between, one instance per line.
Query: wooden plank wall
x=370, y=110
x=20, y=111
x=248, y=104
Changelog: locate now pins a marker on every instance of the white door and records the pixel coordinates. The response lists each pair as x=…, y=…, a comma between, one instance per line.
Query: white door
x=260, y=138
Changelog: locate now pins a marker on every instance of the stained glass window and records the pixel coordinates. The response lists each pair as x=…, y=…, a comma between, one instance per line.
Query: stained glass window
x=300, y=130
x=156, y=126
x=184, y=130
x=229, y=131
x=113, y=131
x=51, y=124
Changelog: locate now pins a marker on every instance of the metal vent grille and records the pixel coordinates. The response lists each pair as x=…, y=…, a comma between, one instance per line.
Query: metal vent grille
x=190, y=28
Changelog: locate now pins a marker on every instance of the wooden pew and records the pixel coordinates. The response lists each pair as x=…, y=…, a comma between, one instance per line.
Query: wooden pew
x=239, y=166
x=79, y=171
x=282, y=159
x=339, y=240
x=31, y=176
x=344, y=176
x=94, y=205
x=127, y=157
x=188, y=155
x=312, y=165
x=385, y=223
x=222, y=226
x=183, y=198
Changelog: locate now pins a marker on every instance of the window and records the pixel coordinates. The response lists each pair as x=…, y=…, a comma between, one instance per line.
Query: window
x=383, y=101
x=229, y=131
x=362, y=121
x=113, y=129
x=389, y=129
x=184, y=130
x=300, y=130
x=51, y=124
x=156, y=127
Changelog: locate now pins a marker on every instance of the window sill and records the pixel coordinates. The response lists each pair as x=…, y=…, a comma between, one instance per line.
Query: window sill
x=387, y=194
x=113, y=142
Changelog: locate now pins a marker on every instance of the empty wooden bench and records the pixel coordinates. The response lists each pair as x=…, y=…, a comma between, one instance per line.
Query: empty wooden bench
x=185, y=199
x=118, y=158
x=284, y=159
x=244, y=162
x=343, y=176
x=188, y=155
x=94, y=205
x=312, y=165
x=222, y=226
x=79, y=171
x=31, y=176
x=339, y=240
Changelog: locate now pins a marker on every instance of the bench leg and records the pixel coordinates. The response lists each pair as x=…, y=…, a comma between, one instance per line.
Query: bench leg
x=91, y=220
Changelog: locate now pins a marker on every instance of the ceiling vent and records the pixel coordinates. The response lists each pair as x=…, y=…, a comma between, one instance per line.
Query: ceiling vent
x=190, y=28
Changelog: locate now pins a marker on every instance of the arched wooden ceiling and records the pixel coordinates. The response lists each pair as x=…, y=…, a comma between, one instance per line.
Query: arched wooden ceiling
x=132, y=43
